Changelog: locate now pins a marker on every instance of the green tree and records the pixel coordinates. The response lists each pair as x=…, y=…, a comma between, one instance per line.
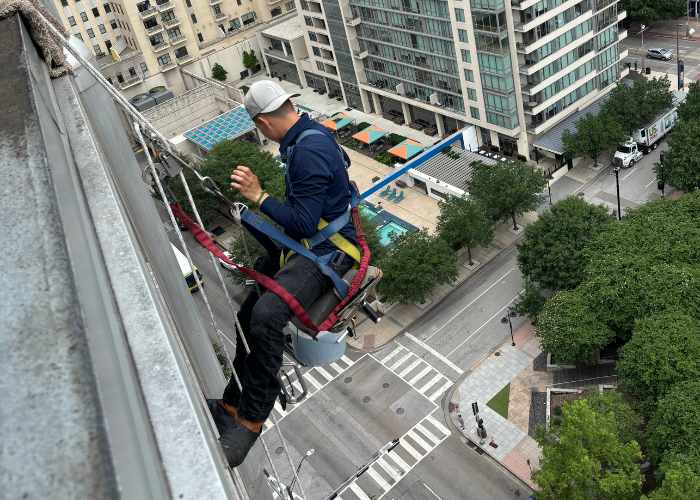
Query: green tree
x=690, y=108
x=621, y=108
x=673, y=433
x=416, y=264
x=680, y=483
x=594, y=134
x=552, y=253
x=631, y=106
x=682, y=161
x=377, y=251
x=644, y=11
x=250, y=60
x=585, y=459
x=530, y=301
x=627, y=421
x=462, y=223
x=664, y=350
x=218, y=72
x=507, y=189
x=570, y=330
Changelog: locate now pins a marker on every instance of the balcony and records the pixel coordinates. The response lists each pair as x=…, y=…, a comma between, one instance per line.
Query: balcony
x=214, y=2
x=220, y=16
x=279, y=54
x=165, y=6
x=328, y=57
x=167, y=67
x=353, y=22
x=130, y=82
x=331, y=70
x=160, y=46
x=150, y=12
x=171, y=23
x=174, y=40
x=155, y=29
x=360, y=54
x=184, y=59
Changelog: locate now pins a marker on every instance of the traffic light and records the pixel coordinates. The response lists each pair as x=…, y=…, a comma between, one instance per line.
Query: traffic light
x=681, y=68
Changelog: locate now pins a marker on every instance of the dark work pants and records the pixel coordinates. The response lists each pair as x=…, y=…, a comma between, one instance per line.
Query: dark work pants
x=262, y=320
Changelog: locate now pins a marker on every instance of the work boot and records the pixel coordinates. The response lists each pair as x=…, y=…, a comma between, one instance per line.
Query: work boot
x=239, y=439
x=224, y=415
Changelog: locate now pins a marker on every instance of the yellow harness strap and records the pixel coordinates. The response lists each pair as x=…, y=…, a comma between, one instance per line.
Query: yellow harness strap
x=339, y=241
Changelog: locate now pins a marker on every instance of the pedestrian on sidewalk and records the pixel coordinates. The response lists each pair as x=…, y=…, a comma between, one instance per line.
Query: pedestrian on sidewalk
x=461, y=422
x=635, y=65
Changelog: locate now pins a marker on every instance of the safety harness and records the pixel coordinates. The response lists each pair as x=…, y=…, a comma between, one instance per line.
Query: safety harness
x=264, y=232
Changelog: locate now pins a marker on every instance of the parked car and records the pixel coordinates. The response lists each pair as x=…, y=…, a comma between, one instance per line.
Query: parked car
x=659, y=54
x=230, y=257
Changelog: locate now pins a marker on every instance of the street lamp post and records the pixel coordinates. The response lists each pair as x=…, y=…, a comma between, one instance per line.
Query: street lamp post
x=617, y=181
x=661, y=163
x=679, y=64
x=641, y=32
x=291, y=485
x=506, y=319
x=549, y=186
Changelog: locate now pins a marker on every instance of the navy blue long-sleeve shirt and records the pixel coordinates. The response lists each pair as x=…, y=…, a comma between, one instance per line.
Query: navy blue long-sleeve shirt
x=319, y=186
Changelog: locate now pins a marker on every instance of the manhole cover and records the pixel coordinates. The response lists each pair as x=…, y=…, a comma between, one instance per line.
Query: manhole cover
x=366, y=399
x=386, y=384
x=480, y=451
x=470, y=380
x=496, y=353
x=399, y=411
x=348, y=380
x=279, y=450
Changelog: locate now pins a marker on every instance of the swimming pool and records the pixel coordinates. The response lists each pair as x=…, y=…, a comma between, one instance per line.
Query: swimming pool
x=386, y=231
x=368, y=211
x=304, y=108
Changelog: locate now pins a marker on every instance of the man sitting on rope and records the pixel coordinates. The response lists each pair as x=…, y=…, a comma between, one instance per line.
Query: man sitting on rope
x=317, y=186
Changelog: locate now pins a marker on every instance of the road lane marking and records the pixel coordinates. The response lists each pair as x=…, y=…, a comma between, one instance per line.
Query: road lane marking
x=625, y=177
x=386, y=466
x=410, y=367
x=432, y=382
x=442, y=389
x=487, y=322
x=422, y=374
x=652, y=182
x=465, y=307
x=431, y=491
x=393, y=353
x=400, y=361
x=435, y=353
x=357, y=491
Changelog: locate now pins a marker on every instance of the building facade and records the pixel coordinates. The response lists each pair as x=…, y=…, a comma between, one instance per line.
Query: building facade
x=512, y=68
x=152, y=38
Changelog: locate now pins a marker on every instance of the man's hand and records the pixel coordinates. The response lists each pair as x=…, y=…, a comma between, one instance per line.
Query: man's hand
x=247, y=183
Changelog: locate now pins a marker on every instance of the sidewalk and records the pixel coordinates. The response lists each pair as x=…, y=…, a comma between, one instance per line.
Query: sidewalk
x=505, y=365
x=667, y=29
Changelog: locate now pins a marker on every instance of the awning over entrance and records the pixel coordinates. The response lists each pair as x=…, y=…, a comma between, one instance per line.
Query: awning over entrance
x=370, y=134
x=407, y=149
x=338, y=121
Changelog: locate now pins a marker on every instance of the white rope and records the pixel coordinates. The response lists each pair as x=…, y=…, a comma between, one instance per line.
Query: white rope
x=140, y=121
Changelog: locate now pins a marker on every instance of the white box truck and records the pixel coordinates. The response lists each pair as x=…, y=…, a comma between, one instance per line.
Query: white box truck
x=647, y=138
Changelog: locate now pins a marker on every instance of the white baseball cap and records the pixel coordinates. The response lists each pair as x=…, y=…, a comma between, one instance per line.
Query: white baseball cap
x=264, y=97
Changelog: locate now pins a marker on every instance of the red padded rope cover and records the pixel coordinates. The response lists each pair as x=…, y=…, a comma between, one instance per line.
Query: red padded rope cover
x=272, y=285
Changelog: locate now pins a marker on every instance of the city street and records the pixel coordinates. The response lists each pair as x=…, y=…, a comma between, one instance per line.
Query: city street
x=689, y=51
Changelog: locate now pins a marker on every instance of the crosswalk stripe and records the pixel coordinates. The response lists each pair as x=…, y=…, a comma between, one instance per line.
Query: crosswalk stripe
x=438, y=425
x=403, y=466
x=347, y=361
x=422, y=374
x=314, y=382
x=393, y=353
x=442, y=389
x=336, y=368
x=420, y=441
x=427, y=433
x=279, y=409
x=381, y=482
x=410, y=367
x=357, y=491
x=398, y=363
x=389, y=469
x=324, y=373
x=430, y=384
x=411, y=450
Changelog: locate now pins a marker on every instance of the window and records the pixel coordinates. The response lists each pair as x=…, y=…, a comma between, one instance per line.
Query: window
x=234, y=24
x=194, y=19
x=107, y=8
x=316, y=51
x=239, y=2
x=108, y=43
x=83, y=16
x=97, y=49
x=113, y=24
x=216, y=9
x=132, y=72
x=64, y=3
x=120, y=78
x=308, y=21
x=320, y=66
x=220, y=26
x=200, y=37
x=157, y=39
x=181, y=52
x=173, y=32
x=471, y=93
x=91, y=34
x=474, y=112
x=290, y=6
x=466, y=56
x=304, y=4
x=277, y=11
x=164, y=59
x=189, y=4
x=102, y=28
x=78, y=36
x=469, y=75
x=312, y=36
x=463, y=36
x=71, y=21
x=167, y=16
x=459, y=15
x=144, y=68
x=95, y=12
x=248, y=18
x=120, y=24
